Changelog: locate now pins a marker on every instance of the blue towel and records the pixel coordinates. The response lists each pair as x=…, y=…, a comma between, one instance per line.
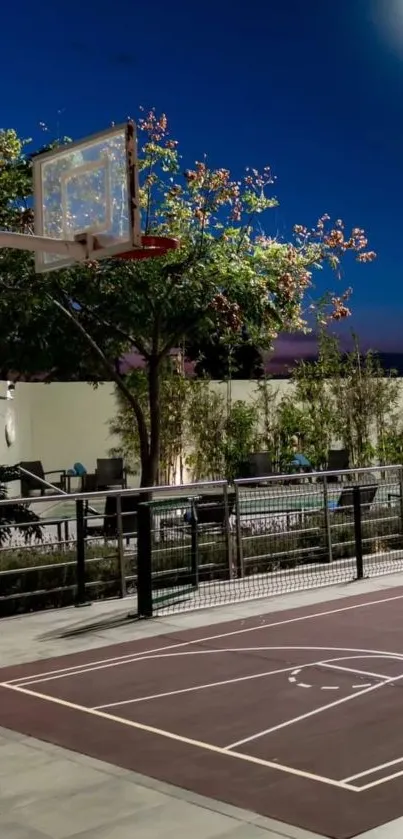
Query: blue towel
x=79, y=470
x=300, y=460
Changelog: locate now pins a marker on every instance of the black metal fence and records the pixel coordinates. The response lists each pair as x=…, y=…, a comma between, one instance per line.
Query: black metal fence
x=182, y=548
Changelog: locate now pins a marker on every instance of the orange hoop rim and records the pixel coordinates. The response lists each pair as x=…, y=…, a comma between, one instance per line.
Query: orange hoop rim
x=151, y=247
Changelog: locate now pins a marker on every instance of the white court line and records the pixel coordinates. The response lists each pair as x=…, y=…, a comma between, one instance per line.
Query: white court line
x=121, y=659
x=223, y=683
x=374, y=769
x=30, y=680
x=381, y=781
x=314, y=713
x=208, y=747
x=330, y=666
x=168, y=693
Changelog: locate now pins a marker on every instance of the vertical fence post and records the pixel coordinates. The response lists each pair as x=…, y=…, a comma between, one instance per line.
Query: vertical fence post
x=401, y=495
x=240, y=563
x=80, y=551
x=194, y=544
x=328, y=528
x=358, y=531
x=144, y=562
x=227, y=525
x=121, y=555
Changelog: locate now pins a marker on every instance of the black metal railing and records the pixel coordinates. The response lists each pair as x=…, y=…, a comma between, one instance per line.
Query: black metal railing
x=180, y=548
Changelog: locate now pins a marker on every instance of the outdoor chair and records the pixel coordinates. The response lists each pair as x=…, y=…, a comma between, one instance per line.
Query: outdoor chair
x=111, y=473
x=337, y=461
x=89, y=482
x=211, y=515
x=31, y=487
x=108, y=527
x=345, y=501
x=210, y=510
x=256, y=465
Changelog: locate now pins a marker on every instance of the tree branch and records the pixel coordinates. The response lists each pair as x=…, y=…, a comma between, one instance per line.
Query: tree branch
x=177, y=336
x=136, y=342
x=174, y=271
x=115, y=376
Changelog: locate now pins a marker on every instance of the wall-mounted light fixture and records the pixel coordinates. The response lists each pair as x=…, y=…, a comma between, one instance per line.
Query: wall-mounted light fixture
x=9, y=392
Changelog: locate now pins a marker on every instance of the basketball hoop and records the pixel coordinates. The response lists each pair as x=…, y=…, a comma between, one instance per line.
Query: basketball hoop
x=87, y=204
x=151, y=247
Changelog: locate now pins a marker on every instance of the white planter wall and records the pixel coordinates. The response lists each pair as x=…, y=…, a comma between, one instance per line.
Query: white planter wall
x=62, y=423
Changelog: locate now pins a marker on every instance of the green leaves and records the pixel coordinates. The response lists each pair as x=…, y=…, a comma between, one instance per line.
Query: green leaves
x=261, y=282
x=229, y=281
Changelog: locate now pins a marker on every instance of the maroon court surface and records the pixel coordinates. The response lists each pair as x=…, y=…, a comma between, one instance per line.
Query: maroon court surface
x=295, y=715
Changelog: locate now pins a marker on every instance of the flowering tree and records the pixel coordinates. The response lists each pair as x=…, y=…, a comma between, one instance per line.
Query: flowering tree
x=228, y=280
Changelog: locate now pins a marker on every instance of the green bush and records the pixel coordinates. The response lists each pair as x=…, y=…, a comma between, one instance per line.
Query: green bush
x=34, y=579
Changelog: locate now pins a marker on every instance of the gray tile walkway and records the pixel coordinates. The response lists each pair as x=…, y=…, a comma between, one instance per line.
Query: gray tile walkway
x=50, y=793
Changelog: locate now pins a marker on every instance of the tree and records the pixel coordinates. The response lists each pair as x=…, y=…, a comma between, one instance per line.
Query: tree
x=228, y=281
x=220, y=433
x=217, y=361
x=316, y=385
x=346, y=396
x=175, y=394
x=366, y=402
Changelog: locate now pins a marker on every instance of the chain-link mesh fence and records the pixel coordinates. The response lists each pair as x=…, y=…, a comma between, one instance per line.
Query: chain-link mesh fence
x=181, y=548
x=380, y=524
x=289, y=533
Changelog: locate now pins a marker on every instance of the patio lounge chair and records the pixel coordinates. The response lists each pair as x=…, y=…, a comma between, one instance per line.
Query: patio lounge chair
x=345, y=500
x=337, y=461
x=256, y=465
x=210, y=510
x=30, y=486
x=108, y=527
x=211, y=515
x=111, y=473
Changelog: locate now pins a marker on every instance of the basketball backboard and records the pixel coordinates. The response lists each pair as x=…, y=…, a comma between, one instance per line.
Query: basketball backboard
x=88, y=191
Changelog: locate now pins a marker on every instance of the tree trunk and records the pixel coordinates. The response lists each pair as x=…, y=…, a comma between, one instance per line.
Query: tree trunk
x=150, y=466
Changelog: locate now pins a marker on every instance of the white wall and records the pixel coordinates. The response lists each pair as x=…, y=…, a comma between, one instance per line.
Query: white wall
x=247, y=389
x=65, y=422
x=69, y=423
x=62, y=423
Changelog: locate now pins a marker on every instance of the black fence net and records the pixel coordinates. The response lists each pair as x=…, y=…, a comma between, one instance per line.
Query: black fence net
x=177, y=549
x=277, y=536
x=191, y=547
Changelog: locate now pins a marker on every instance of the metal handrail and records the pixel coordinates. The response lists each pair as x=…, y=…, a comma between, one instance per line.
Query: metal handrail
x=41, y=481
x=61, y=492
x=87, y=496
x=112, y=493
x=319, y=474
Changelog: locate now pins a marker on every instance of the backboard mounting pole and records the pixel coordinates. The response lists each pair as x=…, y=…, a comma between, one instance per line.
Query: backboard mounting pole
x=26, y=242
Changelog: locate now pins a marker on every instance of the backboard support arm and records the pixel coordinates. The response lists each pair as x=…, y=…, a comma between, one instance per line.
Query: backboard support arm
x=25, y=242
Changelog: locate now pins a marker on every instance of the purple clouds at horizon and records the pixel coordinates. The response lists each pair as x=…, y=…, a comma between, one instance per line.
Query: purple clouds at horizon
x=288, y=349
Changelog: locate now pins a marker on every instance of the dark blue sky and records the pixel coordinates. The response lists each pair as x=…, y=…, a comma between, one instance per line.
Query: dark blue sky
x=312, y=87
